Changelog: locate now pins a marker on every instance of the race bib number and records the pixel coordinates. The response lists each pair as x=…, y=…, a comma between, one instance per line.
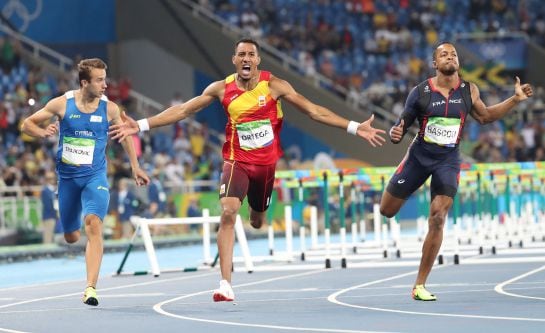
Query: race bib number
x=255, y=134
x=442, y=131
x=78, y=151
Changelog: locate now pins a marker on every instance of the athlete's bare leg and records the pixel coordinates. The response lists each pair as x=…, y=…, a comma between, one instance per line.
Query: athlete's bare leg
x=226, y=234
x=390, y=205
x=257, y=219
x=439, y=207
x=94, y=248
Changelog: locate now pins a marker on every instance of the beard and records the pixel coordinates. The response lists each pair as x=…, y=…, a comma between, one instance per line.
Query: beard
x=448, y=70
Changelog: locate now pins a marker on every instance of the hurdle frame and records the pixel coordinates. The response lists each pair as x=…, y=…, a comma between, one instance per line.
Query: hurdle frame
x=142, y=228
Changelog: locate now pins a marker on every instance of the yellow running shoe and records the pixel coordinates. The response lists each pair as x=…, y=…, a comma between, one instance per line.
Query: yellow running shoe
x=421, y=294
x=90, y=296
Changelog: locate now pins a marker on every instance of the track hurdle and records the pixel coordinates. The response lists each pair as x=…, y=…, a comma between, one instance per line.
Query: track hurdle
x=342, y=229
x=300, y=197
x=456, y=213
x=270, y=228
x=353, y=211
x=501, y=203
x=327, y=222
x=142, y=229
x=288, y=218
x=361, y=209
x=477, y=208
x=337, y=180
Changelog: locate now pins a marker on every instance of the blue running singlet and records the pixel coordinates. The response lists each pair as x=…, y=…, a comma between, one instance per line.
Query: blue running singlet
x=81, y=164
x=82, y=140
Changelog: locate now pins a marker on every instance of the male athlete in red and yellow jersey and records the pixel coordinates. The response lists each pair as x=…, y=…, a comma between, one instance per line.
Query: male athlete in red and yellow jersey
x=251, y=99
x=252, y=144
x=254, y=122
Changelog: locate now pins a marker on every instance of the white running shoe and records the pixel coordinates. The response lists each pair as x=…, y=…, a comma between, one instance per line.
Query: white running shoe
x=224, y=293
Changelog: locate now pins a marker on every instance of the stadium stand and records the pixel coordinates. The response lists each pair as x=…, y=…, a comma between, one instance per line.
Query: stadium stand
x=377, y=50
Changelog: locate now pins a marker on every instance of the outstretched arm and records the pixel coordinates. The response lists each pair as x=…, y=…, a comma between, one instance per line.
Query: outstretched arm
x=139, y=176
x=169, y=116
x=33, y=124
x=487, y=114
x=282, y=89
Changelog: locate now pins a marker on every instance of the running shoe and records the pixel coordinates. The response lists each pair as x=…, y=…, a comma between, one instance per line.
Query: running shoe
x=224, y=293
x=90, y=296
x=421, y=294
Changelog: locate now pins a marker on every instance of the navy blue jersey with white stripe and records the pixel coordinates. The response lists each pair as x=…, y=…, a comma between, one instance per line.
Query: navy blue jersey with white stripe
x=441, y=118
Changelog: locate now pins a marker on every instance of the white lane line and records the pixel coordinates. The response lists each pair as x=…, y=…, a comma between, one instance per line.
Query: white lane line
x=475, y=260
x=107, y=289
x=404, y=293
x=131, y=295
x=159, y=308
x=38, y=285
x=460, y=284
x=11, y=331
x=508, y=260
x=333, y=299
x=499, y=287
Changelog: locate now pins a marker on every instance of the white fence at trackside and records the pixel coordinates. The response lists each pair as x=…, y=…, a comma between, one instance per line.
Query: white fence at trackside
x=38, y=50
x=19, y=212
x=142, y=227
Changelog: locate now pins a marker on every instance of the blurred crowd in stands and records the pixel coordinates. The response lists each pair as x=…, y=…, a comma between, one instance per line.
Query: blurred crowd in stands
x=172, y=155
x=376, y=49
x=379, y=49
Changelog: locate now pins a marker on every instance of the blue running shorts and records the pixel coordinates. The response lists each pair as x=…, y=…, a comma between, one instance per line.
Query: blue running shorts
x=81, y=196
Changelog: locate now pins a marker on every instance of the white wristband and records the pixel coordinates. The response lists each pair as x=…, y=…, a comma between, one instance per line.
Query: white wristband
x=352, y=127
x=143, y=124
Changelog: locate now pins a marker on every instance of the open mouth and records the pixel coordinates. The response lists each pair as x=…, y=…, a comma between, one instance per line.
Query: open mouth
x=246, y=69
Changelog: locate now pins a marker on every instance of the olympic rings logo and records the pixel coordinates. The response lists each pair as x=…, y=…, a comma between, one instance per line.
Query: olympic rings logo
x=493, y=50
x=18, y=9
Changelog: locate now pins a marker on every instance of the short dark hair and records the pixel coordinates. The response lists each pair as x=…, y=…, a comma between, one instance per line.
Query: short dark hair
x=247, y=40
x=434, y=56
x=86, y=65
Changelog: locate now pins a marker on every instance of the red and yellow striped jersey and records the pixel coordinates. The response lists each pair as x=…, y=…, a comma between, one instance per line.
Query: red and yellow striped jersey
x=252, y=132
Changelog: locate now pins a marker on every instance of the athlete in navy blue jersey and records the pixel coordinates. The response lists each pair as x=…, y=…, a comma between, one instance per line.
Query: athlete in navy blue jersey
x=441, y=105
x=85, y=116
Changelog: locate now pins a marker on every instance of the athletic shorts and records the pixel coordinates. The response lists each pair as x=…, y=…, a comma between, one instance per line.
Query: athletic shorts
x=87, y=195
x=418, y=165
x=256, y=181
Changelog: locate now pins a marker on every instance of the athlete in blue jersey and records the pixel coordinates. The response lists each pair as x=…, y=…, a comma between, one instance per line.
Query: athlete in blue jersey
x=85, y=116
x=441, y=104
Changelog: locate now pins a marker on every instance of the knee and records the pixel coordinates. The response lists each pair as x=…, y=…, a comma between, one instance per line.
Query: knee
x=257, y=219
x=71, y=237
x=389, y=205
x=437, y=221
x=229, y=212
x=93, y=225
x=228, y=216
x=386, y=211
